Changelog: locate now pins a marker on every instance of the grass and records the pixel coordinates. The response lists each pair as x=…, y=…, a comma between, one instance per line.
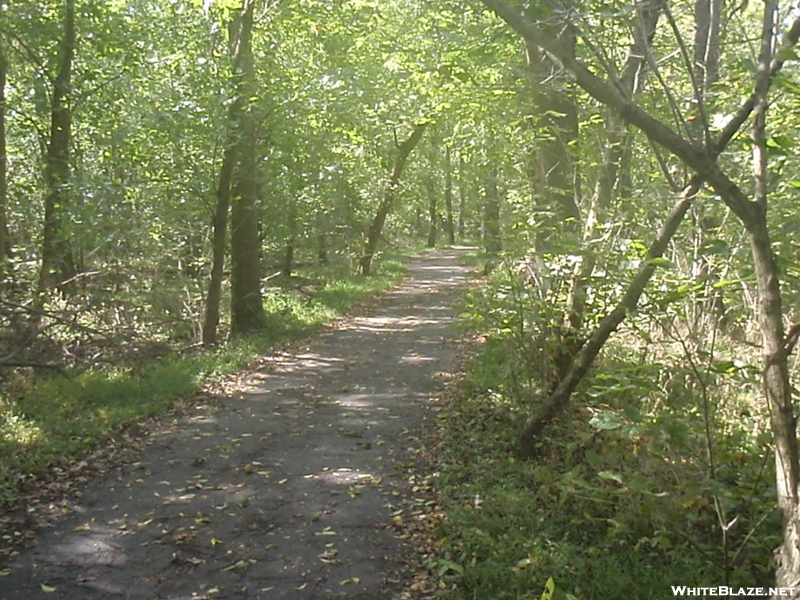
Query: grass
x=607, y=513
x=58, y=419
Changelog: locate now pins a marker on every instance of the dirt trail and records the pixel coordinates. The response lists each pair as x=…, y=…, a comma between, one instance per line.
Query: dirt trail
x=283, y=491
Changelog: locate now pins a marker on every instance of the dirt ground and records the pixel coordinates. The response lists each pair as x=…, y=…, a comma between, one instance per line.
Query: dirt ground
x=291, y=488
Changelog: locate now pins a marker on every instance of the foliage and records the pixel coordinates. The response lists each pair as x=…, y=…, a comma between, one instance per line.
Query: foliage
x=620, y=504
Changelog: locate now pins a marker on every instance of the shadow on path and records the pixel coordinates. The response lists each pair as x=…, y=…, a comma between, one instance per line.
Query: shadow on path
x=284, y=491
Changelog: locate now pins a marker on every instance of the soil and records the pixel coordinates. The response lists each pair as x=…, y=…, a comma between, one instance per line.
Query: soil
x=292, y=487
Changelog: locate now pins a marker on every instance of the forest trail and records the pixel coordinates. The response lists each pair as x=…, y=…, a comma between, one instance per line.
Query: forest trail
x=285, y=490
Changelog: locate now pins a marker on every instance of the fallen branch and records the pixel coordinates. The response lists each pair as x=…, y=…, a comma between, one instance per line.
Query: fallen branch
x=77, y=326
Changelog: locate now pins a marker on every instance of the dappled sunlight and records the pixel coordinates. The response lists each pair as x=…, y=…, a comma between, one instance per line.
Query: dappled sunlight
x=300, y=455
x=356, y=400
x=18, y=430
x=342, y=476
x=392, y=324
x=416, y=358
x=91, y=547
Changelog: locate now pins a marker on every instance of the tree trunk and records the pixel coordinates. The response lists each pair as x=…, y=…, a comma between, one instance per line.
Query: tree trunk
x=432, y=201
x=288, y=258
x=291, y=240
x=448, y=198
x=236, y=45
x=555, y=181
x=3, y=166
x=553, y=166
x=322, y=249
x=560, y=397
x=491, y=214
x=57, y=263
x=247, y=307
x=708, y=19
x=220, y=227
x=777, y=384
x=462, y=199
x=779, y=398
x=611, y=170
x=376, y=227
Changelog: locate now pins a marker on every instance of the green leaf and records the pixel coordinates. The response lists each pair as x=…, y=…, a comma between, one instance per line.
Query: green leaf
x=660, y=261
x=783, y=82
x=592, y=457
x=632, y=413
x=780, y=141
x=610, y=476
x=607, y=420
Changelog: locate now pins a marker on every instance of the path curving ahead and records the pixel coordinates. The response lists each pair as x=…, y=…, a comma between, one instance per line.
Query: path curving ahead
x=283, y=491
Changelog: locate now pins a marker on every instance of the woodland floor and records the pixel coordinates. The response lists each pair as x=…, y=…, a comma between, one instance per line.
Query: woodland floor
x=292, y=486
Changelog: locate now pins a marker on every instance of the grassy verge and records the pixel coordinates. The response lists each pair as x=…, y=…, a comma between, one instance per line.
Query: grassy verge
x=614, y=507
x=60, y=418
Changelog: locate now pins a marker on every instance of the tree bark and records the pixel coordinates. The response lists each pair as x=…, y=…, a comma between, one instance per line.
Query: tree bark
x=57, y=263
x=220, y=228
x=777, y=384
x=3, y=166
x=462, y=198
x=247, y=307
x=560, y=397
x=376, y=227
x=554, y=170
x=432, y=210
x=491, y=213
x=230, y=159
x=448, y=198
x=611, y=167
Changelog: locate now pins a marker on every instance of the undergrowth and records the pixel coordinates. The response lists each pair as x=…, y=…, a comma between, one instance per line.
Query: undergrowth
x=659, y=475
x=59, y=417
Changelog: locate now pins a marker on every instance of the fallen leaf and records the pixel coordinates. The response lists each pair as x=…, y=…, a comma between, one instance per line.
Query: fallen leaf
x=47, y=588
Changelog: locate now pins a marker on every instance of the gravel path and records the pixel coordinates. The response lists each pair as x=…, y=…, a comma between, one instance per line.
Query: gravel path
x=285, y=490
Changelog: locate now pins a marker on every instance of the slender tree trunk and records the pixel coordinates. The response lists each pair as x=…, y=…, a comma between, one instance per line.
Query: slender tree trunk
x=3, y=166
x=291, y=239
x=247, y=307
x=613, y=166
x=288, y=258
x=491, y=213
x=57, y=261
x=376, y=227
x=223, y=193
x=777, y=385
x=322, y=249
x=448, y=198
x=708, y=20
x=462, y=198
x=555, y=181
x=553, y=166
x=432, y=210
x=779, y=398
x=220, y=228
x=583, y=361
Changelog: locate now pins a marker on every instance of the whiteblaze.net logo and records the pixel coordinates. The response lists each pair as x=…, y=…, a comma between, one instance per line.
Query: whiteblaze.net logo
x=723, y=590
